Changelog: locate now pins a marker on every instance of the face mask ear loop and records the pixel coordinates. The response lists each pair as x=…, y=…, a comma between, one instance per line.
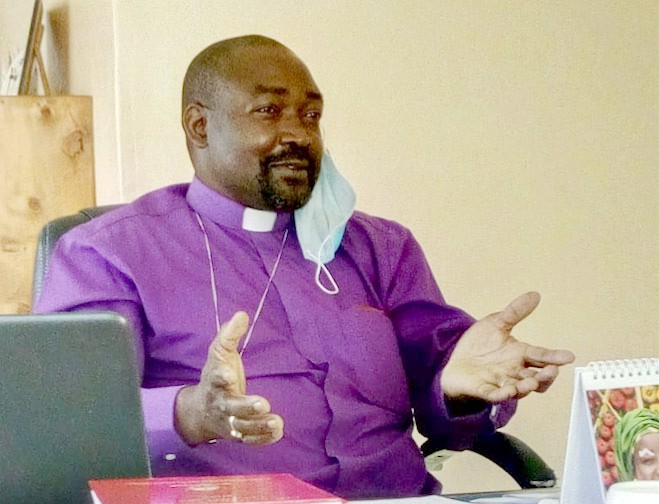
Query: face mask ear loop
x=335, y=288
x=321, y=267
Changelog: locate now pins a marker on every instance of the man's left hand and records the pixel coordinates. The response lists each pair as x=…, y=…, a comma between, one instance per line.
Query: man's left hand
x=488, y=363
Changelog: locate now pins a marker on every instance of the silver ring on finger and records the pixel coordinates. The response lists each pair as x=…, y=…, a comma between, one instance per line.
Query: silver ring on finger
x=235, y=433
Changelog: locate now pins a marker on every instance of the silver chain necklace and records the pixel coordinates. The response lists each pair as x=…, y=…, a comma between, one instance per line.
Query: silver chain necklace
x=257, y=313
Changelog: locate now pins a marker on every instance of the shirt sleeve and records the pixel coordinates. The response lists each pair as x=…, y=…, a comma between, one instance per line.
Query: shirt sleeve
x=428, y=329
x=82, y=277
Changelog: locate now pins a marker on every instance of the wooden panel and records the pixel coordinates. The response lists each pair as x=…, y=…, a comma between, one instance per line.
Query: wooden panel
x=46, y=170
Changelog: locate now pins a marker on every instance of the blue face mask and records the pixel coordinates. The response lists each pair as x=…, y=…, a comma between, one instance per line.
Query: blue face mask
x=320, y=223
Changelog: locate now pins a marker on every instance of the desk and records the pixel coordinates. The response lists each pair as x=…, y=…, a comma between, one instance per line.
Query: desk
x=531, y=496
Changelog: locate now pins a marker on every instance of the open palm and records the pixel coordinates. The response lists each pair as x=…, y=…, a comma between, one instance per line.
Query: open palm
x=488, y=363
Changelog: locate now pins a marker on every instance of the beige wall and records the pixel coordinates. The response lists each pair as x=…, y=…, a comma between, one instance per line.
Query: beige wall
x=78, y=49
x=517, y=139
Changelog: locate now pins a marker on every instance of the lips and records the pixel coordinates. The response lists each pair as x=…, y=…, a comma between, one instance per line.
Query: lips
x=290, y=163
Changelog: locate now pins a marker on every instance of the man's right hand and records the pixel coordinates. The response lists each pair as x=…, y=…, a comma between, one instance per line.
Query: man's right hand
x=217, y=406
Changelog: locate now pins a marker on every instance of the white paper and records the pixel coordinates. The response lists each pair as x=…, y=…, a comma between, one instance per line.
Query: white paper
x=11, y=75
x=511, y=499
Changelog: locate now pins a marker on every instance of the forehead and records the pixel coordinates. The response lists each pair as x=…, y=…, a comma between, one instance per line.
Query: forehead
x=261, y=70
x=650, y=439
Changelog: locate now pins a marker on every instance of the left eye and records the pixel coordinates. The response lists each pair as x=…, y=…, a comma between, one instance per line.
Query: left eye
x=314, y=115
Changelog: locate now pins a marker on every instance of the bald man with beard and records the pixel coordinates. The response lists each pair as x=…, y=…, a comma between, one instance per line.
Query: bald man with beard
x=260, y=354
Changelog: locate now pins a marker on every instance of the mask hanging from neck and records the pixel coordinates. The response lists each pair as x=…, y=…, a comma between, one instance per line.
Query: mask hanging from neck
x=320, y=223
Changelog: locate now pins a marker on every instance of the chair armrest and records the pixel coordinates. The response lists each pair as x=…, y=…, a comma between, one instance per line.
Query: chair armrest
x=514, y=456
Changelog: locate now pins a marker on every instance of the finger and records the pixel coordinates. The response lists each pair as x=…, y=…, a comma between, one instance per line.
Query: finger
x=266, y=430
x=229, y=336
x=526, y=386
x=224, y=368
x=494, y=393
x=520, y=308
x=243, y=406
x=509, y=386
x=223, y=377
x=527, y=373
x=546, y=377
x=541, y=357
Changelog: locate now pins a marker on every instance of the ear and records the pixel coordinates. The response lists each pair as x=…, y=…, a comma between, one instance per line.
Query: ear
x=194, y=124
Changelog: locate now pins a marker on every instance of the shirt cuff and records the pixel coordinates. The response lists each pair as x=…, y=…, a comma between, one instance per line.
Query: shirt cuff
x=158, y=406
x=457, y=428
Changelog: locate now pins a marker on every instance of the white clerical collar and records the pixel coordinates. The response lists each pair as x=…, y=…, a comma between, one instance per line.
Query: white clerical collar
x=260, y=221
x=226, y=212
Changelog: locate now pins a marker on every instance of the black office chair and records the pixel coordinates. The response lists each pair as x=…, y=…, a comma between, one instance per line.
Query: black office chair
x=523, y=464
x=48, y=237
x=510, y=453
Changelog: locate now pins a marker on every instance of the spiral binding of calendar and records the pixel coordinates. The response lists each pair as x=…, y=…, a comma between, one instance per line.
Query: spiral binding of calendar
x=623, y=368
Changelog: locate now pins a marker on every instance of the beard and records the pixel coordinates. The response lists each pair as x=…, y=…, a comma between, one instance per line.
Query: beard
x=290, y=191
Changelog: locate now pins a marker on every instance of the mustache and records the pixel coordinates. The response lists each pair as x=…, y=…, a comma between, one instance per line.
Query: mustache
x=295, y=152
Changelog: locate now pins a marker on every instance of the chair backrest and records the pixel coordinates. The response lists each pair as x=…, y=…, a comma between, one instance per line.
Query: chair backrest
x=48, y=237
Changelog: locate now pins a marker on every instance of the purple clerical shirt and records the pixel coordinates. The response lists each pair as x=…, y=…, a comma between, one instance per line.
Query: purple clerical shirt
x=345, y=371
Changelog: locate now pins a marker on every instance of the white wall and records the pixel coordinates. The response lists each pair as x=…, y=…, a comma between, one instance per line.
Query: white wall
x=518, y=139
x=15, y=17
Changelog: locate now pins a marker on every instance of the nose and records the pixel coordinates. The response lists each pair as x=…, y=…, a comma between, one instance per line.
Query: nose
x=292, y=130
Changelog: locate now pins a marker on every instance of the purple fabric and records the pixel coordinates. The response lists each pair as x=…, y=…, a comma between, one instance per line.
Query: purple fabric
x=345, y=372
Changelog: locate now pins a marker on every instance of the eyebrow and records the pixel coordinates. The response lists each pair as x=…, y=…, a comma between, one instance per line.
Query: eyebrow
x=261, y=89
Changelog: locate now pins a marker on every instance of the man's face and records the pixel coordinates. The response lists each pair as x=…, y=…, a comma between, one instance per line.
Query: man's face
x=646, y=457
x=263, y=131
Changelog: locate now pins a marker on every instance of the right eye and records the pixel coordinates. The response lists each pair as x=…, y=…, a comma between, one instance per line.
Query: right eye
x=268, y=110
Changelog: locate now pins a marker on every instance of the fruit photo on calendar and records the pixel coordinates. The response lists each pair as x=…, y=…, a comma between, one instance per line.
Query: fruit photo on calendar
x=626, y=427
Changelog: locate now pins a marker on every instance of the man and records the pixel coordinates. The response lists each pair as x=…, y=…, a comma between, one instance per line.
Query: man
x=276, y=333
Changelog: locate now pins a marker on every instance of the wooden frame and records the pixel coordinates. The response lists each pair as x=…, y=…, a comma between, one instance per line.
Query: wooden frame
x=33, y=53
